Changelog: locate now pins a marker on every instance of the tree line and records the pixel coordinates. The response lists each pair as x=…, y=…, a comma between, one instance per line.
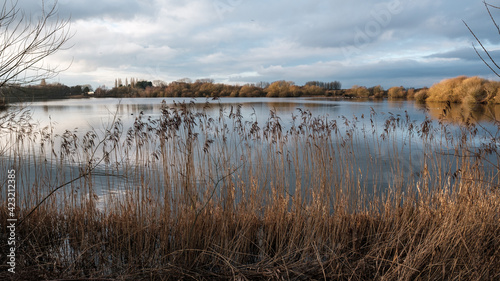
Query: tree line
x=208, y=88
x=462, y=89
x=16, y=92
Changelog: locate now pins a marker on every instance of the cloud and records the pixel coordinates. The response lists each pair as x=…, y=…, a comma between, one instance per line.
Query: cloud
x=392, y=42
x=85, y=9
x=467, y=54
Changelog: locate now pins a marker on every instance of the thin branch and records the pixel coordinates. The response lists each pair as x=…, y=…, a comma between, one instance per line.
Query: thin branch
x=489, y=12
x=54, y=191
x=89, y=169
x=484, y=49
x=493, y=6
x=26, y=42
x=477, y=52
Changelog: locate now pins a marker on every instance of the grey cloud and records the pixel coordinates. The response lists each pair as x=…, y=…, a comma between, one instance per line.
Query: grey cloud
x=466, y=54
x=408, y=72
x=85, y=9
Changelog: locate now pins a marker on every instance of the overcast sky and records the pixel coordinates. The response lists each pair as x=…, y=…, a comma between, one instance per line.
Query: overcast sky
x=364, y=42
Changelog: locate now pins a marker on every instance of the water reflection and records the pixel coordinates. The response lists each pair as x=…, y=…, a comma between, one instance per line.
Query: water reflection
x=89, y=113
x=459, y=113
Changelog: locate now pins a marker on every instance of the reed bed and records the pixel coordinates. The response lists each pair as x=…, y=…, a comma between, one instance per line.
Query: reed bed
x=195, y=196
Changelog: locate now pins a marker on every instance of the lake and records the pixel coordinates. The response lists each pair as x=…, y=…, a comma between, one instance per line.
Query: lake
x=86, y=113
x=365, y=144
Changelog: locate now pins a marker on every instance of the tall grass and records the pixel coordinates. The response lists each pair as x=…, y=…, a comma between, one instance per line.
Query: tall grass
x=190, y=195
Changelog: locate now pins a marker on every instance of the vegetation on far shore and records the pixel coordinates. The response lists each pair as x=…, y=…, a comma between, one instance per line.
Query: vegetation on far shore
x=462, y=89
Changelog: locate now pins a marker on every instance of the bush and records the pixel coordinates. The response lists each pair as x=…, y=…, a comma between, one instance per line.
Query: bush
x=422, y=95
x=443, y=91
x=464, y=89
x=396, y=93
x=279, y=89
x=410, y=94
x=377, y=92
x=312, y=90
x=358, y=91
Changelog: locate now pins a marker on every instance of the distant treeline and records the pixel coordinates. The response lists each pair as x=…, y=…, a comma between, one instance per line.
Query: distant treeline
x=14, y=93
x=207, y=88
x=461, y=89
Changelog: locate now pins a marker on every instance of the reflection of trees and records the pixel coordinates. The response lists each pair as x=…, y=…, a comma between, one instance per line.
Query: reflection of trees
x=283, y=106
x=395, y=103
x=458, y=113
x=137, y=108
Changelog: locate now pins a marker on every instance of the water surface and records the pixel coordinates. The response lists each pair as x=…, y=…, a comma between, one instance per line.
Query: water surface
x=397, y=161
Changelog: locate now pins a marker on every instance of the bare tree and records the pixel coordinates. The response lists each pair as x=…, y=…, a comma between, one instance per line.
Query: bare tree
x=489, y=61
x=26, y=41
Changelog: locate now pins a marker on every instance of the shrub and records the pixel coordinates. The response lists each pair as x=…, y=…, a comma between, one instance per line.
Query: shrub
x=359, y=91
x=396, y=93
x=410, y=94
x=377, y=92
x=443, y=91
x=422, y=95
x=464, y=89
x=312, y=90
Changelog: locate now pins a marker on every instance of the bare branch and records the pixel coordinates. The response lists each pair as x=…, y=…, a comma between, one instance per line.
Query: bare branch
x=491, y=68
x=493, y=6
x=485, y=50
x=491, y=17
x=27, y=42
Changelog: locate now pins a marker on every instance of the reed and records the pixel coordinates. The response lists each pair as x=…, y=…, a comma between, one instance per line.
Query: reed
x=190, y=195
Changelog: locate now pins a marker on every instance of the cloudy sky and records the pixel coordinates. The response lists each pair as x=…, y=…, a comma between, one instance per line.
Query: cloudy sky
x=364, y=42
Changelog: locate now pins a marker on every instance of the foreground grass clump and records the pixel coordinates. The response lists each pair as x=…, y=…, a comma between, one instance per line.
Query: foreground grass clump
x=193, y=196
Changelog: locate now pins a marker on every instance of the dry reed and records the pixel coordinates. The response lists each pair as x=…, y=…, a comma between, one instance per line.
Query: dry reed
x=195, y=196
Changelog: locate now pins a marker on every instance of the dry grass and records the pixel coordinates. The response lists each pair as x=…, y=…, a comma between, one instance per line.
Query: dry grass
x=191, y=196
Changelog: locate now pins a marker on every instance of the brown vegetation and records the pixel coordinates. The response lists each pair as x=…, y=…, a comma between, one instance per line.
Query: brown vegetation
x=190, y=197
x=207, y=88
x=462, y=89
x=422, y=95
x=359, y=91
x=397, y=93
x=378, y=92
